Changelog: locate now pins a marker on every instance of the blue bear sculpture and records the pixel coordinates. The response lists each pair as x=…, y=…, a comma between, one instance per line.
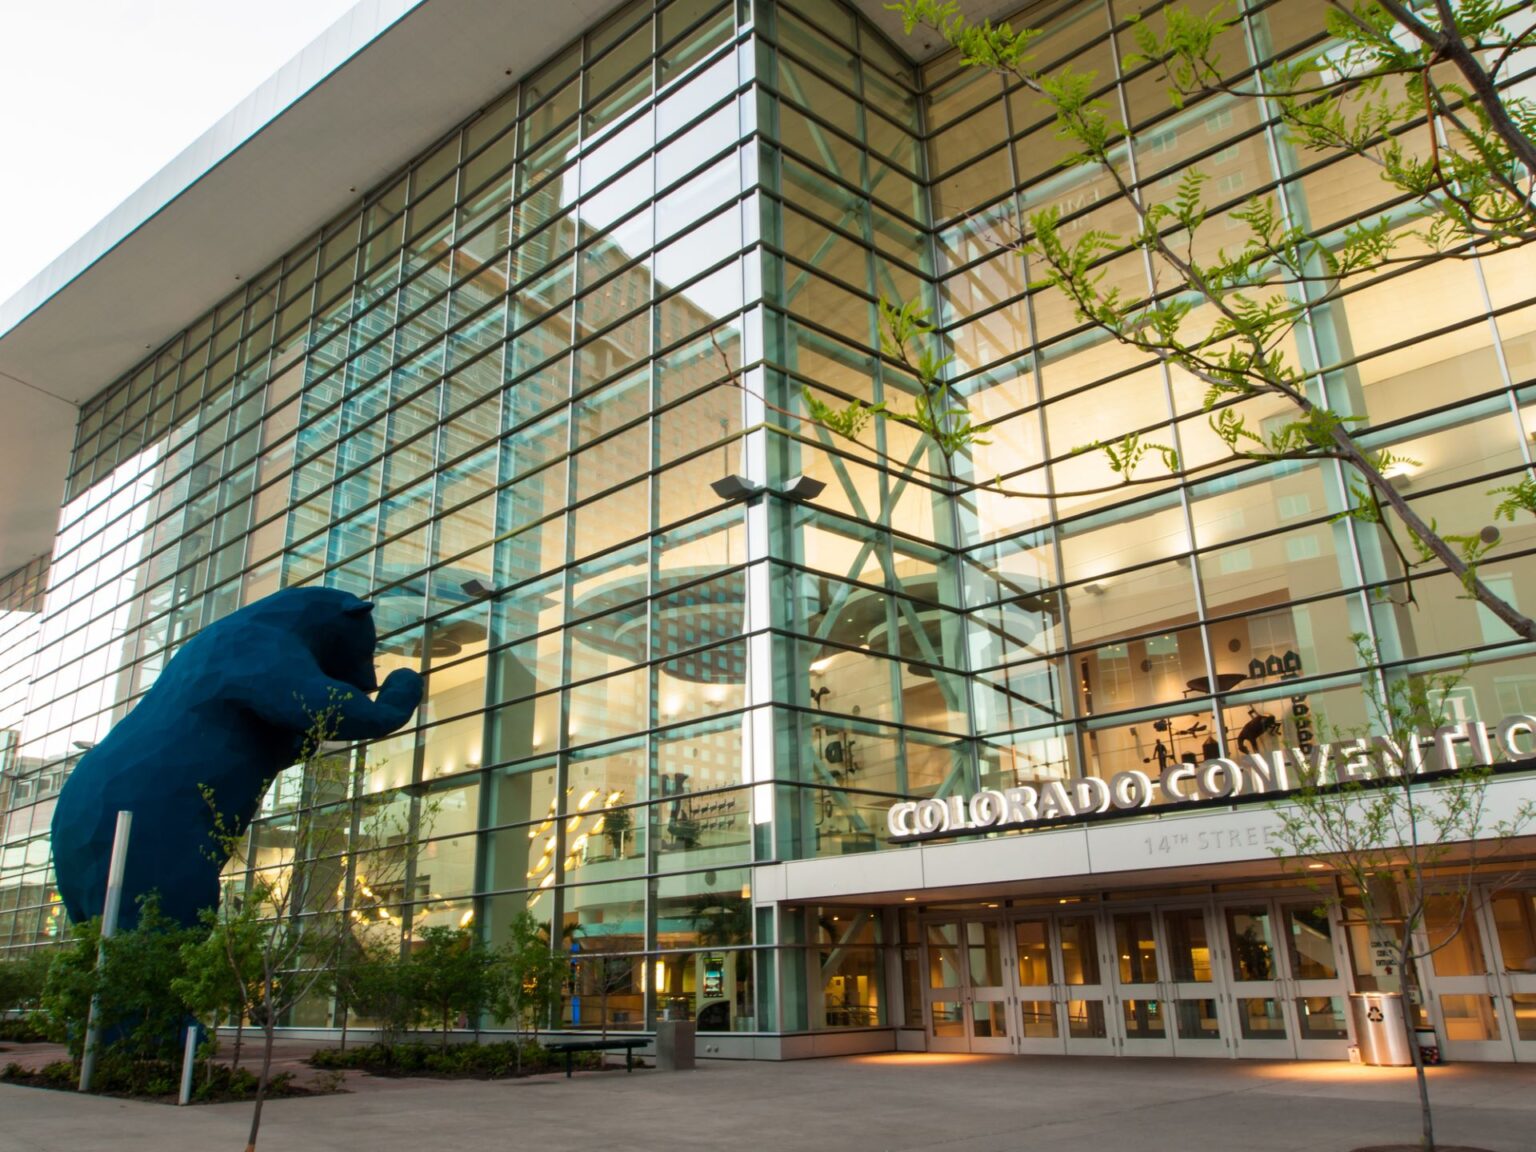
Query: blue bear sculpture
x=227, y=714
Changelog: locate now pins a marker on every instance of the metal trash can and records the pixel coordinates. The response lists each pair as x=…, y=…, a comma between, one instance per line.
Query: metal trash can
x=674, y=1045
x=1381, y=1030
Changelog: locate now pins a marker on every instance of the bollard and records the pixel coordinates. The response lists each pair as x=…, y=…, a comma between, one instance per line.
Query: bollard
x=188, y=1065
x=674, y=1045
x=108, y=927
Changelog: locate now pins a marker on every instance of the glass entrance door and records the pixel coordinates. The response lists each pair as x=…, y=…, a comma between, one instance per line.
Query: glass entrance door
x=946, y=988
x=1460, y=982
x=987, y=994
x=1317, y=999
x=1140, y=1005
x=1257, y=994
x=1286, y=994
x=1038, y=970
x=1194, y=1003
x=1257, y=978
x=1083, y=991
x=967, y=998
x=1060, y=994
x=1514, y=926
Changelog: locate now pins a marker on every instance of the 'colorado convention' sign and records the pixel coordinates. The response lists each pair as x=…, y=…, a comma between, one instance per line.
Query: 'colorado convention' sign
x=1250, y=774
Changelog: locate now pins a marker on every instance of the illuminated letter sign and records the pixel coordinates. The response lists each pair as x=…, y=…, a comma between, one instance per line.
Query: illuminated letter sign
x=1250, y=774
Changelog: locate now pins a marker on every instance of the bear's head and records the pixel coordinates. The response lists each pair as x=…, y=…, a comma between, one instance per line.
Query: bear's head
x=335, y=625
x=349, y=654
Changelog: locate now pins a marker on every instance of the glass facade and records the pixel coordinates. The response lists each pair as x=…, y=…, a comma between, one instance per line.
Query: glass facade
x=493, y=397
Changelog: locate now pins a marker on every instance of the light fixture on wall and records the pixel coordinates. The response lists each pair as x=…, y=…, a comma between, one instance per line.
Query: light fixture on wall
x=736, y=488
x=801, y=488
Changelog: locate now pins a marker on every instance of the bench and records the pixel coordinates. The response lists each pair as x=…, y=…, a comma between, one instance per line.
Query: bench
x=571, y=1047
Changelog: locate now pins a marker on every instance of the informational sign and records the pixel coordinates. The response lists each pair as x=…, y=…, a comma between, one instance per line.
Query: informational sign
x=714, y=977
x=1384, y=956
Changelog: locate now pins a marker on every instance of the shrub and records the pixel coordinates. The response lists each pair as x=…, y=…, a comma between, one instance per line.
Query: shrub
x=140, y=1014
x=116, y=1076
x=26, y=1030
x=22, y=980
x=480, y=1061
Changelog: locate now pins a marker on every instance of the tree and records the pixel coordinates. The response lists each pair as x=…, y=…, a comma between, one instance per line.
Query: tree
x=138, y=1009
x=449, y=975
x=1419, y=91
x=1385, y=837
x=209, y=985
x=307, y=916
x=71, y=982
x=22, y=980
x=526, y=979
x=596, y=969
x=382, y=989
x=346, y=991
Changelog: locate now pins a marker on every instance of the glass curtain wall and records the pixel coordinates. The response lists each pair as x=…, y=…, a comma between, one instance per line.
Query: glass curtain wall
x=29, y=912
x=493, y=395
x=864, y=580
x=1129, y=628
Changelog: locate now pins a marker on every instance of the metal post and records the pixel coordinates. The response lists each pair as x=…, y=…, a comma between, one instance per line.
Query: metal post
x=188, y=1065
x=108, y=927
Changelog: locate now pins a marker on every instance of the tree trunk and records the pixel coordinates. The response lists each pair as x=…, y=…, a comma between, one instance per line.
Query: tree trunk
x=239, y=1038
x=1410, y=1021
x=445, y=1030
x=268, y=1030
x=346, y=1016
x=213, y=1043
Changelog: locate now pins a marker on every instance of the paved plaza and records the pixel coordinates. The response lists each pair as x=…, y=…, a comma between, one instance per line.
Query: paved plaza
x=888, y=1103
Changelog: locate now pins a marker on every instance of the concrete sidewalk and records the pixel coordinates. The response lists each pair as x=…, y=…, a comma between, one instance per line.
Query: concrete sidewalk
x=878, y=1103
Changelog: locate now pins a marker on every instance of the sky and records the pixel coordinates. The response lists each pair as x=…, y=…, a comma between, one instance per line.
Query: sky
x=96, y=96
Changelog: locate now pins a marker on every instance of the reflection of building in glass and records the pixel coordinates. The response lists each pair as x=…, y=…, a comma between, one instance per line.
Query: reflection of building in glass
x=493, y=391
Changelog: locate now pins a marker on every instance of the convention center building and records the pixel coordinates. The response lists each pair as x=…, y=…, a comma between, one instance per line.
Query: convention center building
x=508, y=316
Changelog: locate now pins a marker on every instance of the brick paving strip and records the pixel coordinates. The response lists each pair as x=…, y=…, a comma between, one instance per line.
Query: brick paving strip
x=888, y=1103
x=287, y=1056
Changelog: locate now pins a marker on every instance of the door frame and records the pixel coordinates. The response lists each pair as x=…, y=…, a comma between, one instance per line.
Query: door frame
x=1511, y=981
x=1492, y=983
x=968, y=994
x=1162, y=994
x=1194, y=990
